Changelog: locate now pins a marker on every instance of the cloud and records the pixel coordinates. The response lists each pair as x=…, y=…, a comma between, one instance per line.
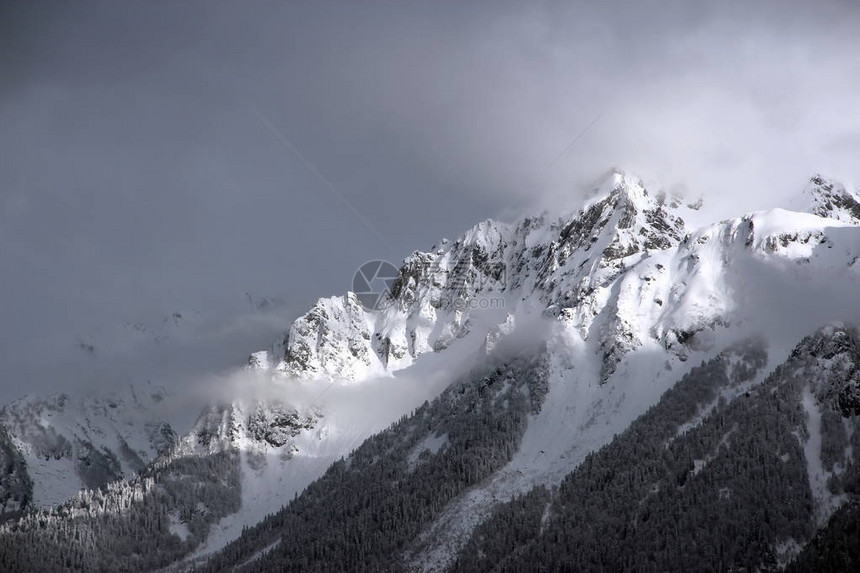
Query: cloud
x=369, y=406
x=741, y=105
x=786, y=300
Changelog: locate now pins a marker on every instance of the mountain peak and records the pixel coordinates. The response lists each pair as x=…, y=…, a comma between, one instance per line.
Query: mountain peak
x=617, y=188
x=830, y=199
x=629, y=216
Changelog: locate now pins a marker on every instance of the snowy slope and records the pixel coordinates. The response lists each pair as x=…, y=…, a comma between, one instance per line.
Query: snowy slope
x=286, y=443
x=74, y=443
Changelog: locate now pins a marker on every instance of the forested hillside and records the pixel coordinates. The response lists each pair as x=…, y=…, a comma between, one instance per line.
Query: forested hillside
x=721, y=474
x=744, y=490
x=140, y=525
x=368, y=507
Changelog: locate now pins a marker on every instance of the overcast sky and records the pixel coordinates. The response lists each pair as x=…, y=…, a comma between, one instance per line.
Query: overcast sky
x=141, y=174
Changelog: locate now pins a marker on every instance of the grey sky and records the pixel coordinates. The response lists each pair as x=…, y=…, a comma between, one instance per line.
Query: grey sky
x=137, y=180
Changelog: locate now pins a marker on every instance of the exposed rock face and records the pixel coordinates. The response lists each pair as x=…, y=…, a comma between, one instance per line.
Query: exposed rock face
x=260, y=428
x=276, y=424
x=832, y=200
x=835, y=369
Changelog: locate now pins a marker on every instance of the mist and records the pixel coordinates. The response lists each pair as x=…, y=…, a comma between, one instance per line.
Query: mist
x=138, y=179
x=377, y=401
x=783, y=301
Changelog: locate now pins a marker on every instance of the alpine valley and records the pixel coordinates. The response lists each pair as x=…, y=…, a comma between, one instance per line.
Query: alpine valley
x=629, y=386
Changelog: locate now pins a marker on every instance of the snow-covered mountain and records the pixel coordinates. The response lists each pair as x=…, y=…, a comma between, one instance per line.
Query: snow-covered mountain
x=71, y=443
x=541, y=264
x=607, y=308
x=623, y=272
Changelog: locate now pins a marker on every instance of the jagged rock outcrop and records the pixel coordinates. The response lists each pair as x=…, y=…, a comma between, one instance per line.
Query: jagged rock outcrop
x=831, y=199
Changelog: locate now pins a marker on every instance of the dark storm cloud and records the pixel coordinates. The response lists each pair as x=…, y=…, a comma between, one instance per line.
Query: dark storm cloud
x=138, y=180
